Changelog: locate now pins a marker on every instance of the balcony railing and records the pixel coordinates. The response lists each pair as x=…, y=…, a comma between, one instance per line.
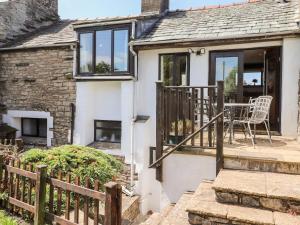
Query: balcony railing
x=188, y=117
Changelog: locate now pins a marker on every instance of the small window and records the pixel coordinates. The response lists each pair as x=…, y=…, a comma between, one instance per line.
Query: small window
x=104, y=52
x=108, y=131
x=174, y=69
x=34, y=127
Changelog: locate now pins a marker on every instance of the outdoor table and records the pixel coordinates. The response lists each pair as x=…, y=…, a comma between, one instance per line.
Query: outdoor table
x=231, y=108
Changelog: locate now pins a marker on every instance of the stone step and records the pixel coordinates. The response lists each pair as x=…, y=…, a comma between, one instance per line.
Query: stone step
x=178, y=215
x=272, y=191
x=263, y=162
x=204, y=209
x=157, y=218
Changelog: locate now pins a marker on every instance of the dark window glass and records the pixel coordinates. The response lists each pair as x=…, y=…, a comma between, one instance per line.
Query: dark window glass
x=34, y=127
x=86, y=53
x=108, y=131
x=121, y=50
x=174, y=69
x=253, y=79
x=103, y=51
x=227, y=70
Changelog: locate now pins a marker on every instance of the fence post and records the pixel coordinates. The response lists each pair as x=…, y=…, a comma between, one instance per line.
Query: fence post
x=1, y=170
x=159, y=129
x=220, y=127
x=40, y=195
x=113, y=204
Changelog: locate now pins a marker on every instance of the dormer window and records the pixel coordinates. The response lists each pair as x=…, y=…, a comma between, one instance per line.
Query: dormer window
x=104, y=52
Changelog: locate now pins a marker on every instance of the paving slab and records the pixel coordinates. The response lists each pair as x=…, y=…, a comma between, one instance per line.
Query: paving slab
x=286, y=219
x=246, y=182
x=178, y=215
x=204, y=203
x=283, y=186
x=250, y=215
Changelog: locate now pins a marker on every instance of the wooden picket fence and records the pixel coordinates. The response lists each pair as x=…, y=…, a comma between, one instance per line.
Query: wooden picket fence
x=55, y=198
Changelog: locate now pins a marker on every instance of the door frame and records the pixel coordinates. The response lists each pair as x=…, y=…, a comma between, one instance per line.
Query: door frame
x=212, y=67
x=211, y=78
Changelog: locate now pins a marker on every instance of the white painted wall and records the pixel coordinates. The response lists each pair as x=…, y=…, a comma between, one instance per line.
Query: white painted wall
x=95, y=101
x=13, y=118
x=289, y=91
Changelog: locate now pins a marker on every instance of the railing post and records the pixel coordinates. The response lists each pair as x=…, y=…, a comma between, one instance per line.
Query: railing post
x=113, y=204
x=220, y=127
x=40, y=195
x=159, y=129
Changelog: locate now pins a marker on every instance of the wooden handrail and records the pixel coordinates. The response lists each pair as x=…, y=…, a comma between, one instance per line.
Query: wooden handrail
x=185, y=140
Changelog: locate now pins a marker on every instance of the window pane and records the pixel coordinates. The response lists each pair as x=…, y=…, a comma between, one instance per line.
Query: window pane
x=108, y=135
x=103, y=51
x=43, y=128
x=182, y=70
x=121, y=50
x=227, y=70
x=29, y=127
x=86, y=53
x=253, y=79
x=108, y=124
x=166, y=72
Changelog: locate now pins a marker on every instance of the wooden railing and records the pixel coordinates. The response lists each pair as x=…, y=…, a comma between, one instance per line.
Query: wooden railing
x=188, y=117
x=55, y=198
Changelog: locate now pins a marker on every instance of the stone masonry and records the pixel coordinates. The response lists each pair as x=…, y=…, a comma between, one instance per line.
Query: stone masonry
x=40, y=80
x=19, y=17
x=155, y=6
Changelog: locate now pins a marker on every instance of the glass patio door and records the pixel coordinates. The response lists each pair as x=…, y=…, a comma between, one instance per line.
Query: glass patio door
x=228, y=67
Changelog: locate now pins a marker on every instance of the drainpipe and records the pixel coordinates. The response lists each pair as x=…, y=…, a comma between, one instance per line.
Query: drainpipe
x=133, y=120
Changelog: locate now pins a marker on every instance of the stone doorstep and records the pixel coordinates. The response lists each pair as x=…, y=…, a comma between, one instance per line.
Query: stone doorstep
x=278, y=192
x=204, y=209
x=263, y=165
x=156, y=218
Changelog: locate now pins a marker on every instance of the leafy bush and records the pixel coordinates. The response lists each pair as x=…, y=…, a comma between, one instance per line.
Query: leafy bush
x=77, y=160
x=6, y=220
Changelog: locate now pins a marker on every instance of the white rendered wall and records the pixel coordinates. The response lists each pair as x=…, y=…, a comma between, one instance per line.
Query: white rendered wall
x=188, y=171
x=289, y=91
x=13, y=118
x=95, y=101
x=104, y=100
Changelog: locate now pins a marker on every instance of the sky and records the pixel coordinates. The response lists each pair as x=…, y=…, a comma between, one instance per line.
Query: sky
x=74, y=9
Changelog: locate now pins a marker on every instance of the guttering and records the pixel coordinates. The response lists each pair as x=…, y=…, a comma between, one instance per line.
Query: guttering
x=67, y=44
x=175, y=41
x=103, y=23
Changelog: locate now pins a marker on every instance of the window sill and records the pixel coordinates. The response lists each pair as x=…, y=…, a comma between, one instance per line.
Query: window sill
x=104, y=77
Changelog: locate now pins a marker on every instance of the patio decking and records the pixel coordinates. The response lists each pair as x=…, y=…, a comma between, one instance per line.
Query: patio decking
x=283, y=149
x=282, y=156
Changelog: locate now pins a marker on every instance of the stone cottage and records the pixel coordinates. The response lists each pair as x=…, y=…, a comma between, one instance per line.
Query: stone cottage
x=96, y=81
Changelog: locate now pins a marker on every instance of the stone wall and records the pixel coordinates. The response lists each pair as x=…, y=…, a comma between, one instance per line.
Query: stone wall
x=19, y=17
x=40, y=80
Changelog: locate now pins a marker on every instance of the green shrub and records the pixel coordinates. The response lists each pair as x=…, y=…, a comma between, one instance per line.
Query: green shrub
x=77, y=160
x=6, y=220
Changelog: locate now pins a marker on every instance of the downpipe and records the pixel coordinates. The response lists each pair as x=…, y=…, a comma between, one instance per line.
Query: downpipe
x=133, y=120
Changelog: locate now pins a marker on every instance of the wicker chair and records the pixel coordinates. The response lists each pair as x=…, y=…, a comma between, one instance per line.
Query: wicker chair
x=258, y=114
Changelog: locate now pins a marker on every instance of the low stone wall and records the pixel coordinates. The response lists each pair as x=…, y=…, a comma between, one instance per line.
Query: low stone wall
x=40, y=80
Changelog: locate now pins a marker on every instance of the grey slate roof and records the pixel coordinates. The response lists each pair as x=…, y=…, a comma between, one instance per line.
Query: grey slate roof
x=59, y=33
x=254, y=18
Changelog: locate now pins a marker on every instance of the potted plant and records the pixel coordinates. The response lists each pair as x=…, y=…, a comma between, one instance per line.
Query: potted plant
x=176, y=139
